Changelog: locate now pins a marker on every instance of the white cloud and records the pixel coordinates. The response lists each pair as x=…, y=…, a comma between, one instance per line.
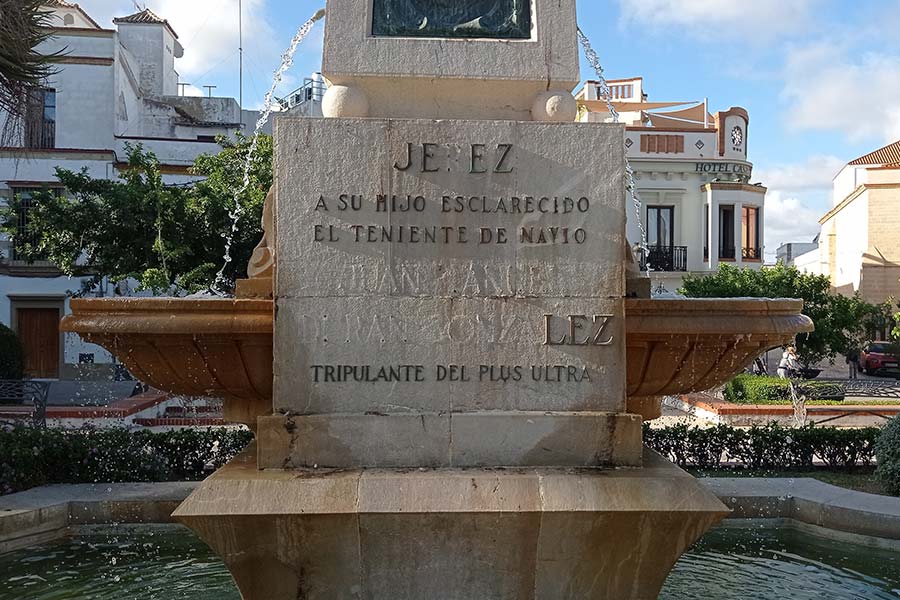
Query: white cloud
x=814, y=173
x=832, y=87
x=788, y=219
x=207, y=30
x=720, y=18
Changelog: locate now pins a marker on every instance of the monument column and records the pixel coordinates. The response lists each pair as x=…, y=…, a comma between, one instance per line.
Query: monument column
x=449, y=413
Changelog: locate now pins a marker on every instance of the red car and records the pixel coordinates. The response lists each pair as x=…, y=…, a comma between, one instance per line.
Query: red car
x=878, y=356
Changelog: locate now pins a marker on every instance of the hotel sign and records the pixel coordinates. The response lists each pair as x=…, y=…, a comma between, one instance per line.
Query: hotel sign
x=728, y=168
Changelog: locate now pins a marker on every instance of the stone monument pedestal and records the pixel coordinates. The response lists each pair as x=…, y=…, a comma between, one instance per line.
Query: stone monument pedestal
x=440, y=534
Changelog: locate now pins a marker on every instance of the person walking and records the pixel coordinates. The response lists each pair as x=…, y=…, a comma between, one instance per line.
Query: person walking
x=789, y=367
x=853, y=363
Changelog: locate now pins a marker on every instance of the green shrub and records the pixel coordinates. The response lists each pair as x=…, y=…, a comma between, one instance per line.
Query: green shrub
x=31, y=456
x=11, y=356
x=760, y=389
x=887, y=451
x=766, y=447
x=757, y=389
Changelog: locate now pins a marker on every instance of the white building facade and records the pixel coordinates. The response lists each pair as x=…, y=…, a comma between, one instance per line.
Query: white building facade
x=113, y=87
x=859, y=240
x=693, y=178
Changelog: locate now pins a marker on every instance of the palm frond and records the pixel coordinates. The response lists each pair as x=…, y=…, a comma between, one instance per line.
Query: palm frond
x=24, y=25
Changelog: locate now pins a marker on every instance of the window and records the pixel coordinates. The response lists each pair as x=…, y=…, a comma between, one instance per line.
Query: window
x=68, y=20
x=40, y=119
x=726, y=232
x=660, y=225
x=24, y=237
x=750, y=232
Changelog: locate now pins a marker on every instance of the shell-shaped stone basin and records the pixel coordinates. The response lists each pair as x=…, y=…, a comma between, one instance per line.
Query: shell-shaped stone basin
x=223, y=347
x=682, y=345
x=219, y=347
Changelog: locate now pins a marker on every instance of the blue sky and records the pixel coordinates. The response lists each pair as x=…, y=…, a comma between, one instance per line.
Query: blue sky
x=820, y=78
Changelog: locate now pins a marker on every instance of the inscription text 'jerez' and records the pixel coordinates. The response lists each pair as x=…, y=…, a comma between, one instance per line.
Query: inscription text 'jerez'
x=479, y=158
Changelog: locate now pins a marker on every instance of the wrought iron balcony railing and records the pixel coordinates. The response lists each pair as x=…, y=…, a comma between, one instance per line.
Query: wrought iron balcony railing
x=751, y=253
x=664, y=258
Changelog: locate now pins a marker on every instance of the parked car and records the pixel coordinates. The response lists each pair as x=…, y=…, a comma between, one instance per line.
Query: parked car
x=879, y=357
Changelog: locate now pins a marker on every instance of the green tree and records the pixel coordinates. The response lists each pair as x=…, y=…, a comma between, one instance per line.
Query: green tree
x=170, y=238
x=842, y=322
x=11, y=355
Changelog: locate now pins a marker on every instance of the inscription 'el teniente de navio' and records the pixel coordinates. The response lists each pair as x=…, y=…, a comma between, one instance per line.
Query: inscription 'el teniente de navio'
x=478, y=158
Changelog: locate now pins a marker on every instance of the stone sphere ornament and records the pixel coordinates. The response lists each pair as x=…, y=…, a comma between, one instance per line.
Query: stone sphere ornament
x=557, y=107
x=345, y=101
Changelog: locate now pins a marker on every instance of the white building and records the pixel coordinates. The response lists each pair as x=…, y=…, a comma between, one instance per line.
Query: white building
x=788, y=253
x=693, y=177
x=113, y=87
x=859, y=239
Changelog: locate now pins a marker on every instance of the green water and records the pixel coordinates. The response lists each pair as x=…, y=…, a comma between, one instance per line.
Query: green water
x=165, y=563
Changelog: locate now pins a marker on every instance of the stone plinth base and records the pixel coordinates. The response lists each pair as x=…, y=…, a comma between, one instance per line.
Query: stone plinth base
x=542, y=534
x=450, y=440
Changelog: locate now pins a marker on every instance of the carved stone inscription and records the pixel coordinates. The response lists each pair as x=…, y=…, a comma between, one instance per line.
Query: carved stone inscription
x=447, y=266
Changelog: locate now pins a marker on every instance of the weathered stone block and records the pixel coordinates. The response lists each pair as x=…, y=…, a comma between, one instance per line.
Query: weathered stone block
x=550, y=439
x=529, y=534
x=393, y=207
x=528, y=221
x=452, y=78
x=447, y=355
x=510, y=439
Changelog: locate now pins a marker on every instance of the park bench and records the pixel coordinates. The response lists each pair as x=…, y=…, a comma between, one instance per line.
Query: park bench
x=22, y=391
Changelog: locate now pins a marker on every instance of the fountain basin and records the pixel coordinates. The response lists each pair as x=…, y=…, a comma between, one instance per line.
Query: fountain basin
x=219, y=347
x=682, y=345
x=223, y=347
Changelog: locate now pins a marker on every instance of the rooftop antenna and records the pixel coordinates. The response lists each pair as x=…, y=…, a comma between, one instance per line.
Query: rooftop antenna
x=140, y=7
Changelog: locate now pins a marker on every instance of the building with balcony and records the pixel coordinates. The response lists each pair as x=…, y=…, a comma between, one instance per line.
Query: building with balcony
x=693, y=177
x=859, y=240
x=113, y=87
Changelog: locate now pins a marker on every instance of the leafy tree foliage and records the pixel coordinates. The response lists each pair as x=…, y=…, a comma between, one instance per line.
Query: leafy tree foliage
x=842, y=322
x=169, y=238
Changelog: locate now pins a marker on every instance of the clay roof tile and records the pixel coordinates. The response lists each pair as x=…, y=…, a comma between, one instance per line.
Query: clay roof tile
x=146, y=16
x=886, y=155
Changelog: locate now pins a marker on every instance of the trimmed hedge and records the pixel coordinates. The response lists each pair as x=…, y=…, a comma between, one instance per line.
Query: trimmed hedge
x=769, y=446
x=760, y=389
x=31, y=457
x=887, y=450
x=11, y=354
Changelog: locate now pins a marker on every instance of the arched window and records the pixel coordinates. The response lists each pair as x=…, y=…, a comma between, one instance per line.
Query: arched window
x=68, y=20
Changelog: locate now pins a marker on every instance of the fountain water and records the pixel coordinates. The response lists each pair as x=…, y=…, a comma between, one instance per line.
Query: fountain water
x=269, y=103
x=594, y=60
x=443, y=402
